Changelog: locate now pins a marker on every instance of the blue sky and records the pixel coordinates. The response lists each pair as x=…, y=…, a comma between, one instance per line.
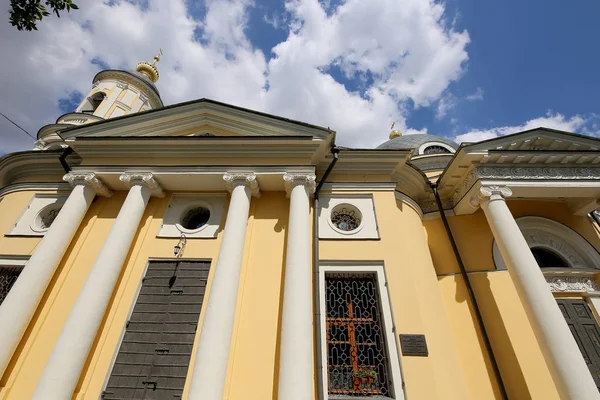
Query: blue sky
x=464, y=69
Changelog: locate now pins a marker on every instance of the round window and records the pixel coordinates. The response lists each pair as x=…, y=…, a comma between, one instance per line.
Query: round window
x=195, y=218
x=46, y=217
x=346, y=217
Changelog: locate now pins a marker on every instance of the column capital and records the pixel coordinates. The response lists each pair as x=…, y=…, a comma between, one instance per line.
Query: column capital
x=88, y=179
x=293, y=179
x=491, y=192
x=143, y=179
x=234, y=179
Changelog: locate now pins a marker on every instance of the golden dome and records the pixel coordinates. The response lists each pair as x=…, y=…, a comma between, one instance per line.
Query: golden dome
x=149, y=68
x=395, y=132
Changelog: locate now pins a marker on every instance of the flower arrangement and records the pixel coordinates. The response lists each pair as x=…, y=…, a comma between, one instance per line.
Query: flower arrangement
x=364, y=373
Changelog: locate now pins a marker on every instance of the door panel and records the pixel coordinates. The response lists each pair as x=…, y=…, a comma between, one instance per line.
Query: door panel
x=586, y=332
x=154, y=357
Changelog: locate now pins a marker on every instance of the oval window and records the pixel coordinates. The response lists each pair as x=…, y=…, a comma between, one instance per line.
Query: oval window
x=346, y=217
x=195, y=218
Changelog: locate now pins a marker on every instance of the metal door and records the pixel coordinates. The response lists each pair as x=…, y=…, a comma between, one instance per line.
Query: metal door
x=586, y=332
x=153, y=359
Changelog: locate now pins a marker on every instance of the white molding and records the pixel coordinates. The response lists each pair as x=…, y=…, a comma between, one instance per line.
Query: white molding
x=25, y=224
x=562, y=280
x=546, y=233
x=358, y=186
x=378, y=269
x=368, y=228
x=13, y=261
x=35, y=187
x=180, y=203
x=409, y=201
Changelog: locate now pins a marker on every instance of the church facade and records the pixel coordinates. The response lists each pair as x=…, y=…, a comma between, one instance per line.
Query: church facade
x=204, y=251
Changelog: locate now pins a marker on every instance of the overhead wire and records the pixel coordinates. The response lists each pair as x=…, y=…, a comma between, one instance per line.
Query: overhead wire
x=17, y=125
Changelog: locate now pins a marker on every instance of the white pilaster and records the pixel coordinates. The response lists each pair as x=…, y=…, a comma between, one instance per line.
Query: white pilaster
x=296, y=367
x=63, y=369
x=210, y=366
x=23, y=299
x=567, y=366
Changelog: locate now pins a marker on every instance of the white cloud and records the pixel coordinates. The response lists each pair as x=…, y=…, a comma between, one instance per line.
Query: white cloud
x=551, y=120
x=477, y=95
x=445, y=104
x=404, y=50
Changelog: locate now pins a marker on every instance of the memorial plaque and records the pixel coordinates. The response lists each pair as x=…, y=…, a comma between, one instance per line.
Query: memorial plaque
x=413, y=345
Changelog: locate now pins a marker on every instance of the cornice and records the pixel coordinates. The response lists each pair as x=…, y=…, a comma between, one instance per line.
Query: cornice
x=35, y=187
x=193, y=116
x=409, y=201
x=359, y=186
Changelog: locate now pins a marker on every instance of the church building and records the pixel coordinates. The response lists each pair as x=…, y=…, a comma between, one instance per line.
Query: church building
x=205, y=251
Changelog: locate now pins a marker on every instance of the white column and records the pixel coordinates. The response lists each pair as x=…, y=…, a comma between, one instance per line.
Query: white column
x=210, y=365
x=296, y=368
x=567, y=366
x=23, y=299
x=61, y=374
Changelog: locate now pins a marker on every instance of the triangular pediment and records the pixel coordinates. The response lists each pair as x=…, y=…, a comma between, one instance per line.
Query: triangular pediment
x=539, y=139
x=202, y=117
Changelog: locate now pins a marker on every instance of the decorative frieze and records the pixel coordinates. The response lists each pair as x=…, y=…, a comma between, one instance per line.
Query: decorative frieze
x=293, y=179
x=551, y=173
x=521, y=173
x=88, y=179
x=143, y=179
x=569, y=283
x=249, y=179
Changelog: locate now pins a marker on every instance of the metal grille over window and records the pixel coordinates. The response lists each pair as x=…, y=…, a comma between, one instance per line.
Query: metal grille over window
x=48, y=217
x=195, y=218
x=435, y=150
x=357, y=362
x=8, y=277
x=346, y=218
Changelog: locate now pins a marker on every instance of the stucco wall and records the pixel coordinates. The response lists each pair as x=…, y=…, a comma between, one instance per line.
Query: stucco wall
x=520, y=360
x=417, y=304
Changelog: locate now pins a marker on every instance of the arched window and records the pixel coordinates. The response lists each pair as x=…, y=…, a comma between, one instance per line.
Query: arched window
x=93, y=102
x=553, y=245
x=435, y=150
x=548, y=259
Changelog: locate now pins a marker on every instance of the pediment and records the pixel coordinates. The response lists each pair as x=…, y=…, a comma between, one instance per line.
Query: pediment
x=539, y=139
x=197, y=118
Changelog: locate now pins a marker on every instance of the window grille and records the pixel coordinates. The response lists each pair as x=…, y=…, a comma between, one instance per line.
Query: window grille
x=357, y=361
x=435, y=150
x=346, y=218
x=8, y=277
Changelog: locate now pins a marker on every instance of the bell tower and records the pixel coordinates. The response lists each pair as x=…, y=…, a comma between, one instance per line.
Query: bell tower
x=114, y=93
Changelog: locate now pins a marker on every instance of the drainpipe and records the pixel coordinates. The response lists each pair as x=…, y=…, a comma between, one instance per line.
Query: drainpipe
x=67, y=151
x=317, y=296
x=465, y=276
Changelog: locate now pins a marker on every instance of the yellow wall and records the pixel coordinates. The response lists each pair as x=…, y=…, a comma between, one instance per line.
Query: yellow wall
x=252, y=370
x=520, y=360
x=417, y=304
x=427, y=296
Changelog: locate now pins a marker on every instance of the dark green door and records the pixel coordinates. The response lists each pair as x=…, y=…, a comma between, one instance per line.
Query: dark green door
x=586, y=332
x=154, y=357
